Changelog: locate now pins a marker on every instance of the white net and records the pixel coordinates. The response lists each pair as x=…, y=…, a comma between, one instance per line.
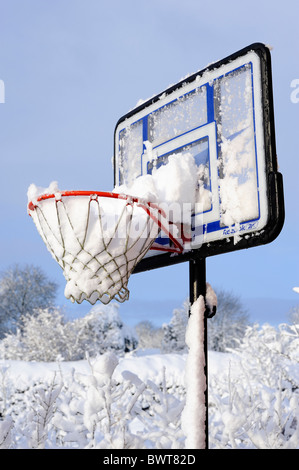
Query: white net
x=96, y=240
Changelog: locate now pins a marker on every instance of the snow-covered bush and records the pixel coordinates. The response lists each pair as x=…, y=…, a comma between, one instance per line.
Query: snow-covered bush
x=102, y=330
x=258, y=408
x=6, y=427
x=266, y=352
x=94, y=409
x=42, y=338
x=12, y=347
x=148, y=335
x=107, y=413
x=137, y=401
x=46, y=336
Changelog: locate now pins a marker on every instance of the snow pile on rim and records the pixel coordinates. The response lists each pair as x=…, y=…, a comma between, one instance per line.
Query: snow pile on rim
x=98, y=240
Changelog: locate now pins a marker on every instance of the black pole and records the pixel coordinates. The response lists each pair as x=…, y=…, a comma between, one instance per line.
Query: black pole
x=197, y=286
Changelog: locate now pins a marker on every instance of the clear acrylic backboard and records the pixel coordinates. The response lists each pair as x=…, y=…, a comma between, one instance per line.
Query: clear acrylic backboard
x=222, y=115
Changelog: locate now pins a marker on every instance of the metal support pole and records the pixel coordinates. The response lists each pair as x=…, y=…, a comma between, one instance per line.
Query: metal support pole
x=197, y=283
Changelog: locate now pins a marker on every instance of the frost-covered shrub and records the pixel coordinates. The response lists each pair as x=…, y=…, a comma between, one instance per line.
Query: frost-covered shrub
x=258, y=407
x=12, y=347
x=102, y=330
x=46, y=336
x=253, y=405
x=98, y=411
x=42, y=338
x=148, y=335
x=6, y=427
x=267, y=351
x=94, y=410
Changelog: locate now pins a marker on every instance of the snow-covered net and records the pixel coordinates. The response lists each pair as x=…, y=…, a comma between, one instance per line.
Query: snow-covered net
x=96, y=238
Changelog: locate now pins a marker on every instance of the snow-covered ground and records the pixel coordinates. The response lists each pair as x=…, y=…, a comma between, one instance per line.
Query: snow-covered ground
x=147, y=364
x=150, y=384
x=136, y=401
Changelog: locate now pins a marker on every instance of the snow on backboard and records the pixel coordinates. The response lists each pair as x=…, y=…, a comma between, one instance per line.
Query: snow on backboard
x=222, y=116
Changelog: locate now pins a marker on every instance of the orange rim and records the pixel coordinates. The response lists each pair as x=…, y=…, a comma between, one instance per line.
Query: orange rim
x=147, y=206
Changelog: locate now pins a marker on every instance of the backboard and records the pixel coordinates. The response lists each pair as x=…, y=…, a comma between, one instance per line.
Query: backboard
x=222, y=115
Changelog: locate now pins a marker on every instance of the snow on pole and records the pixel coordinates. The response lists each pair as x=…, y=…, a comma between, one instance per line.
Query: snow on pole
x=194, y=413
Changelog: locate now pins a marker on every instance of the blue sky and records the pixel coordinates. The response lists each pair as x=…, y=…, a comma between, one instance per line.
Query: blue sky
x=71, y=68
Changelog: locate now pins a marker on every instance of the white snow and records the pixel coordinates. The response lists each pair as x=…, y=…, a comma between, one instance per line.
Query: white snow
x=239, y=199
x=238, y=186
x=36, y=191
x=211, y=297
x=170, y=184
x=102, y=402
x=194, y=413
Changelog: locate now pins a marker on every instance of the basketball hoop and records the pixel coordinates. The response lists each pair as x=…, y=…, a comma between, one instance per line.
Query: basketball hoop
x=98, y=238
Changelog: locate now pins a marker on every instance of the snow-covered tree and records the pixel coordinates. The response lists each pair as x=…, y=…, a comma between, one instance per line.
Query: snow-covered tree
x=175, y=330
x=22, y=290
x=43, y=338
x=47, y=336
x=102, y=330
x=225, y=329
x=148, y=335
x=229, y=324
x=294, y=315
